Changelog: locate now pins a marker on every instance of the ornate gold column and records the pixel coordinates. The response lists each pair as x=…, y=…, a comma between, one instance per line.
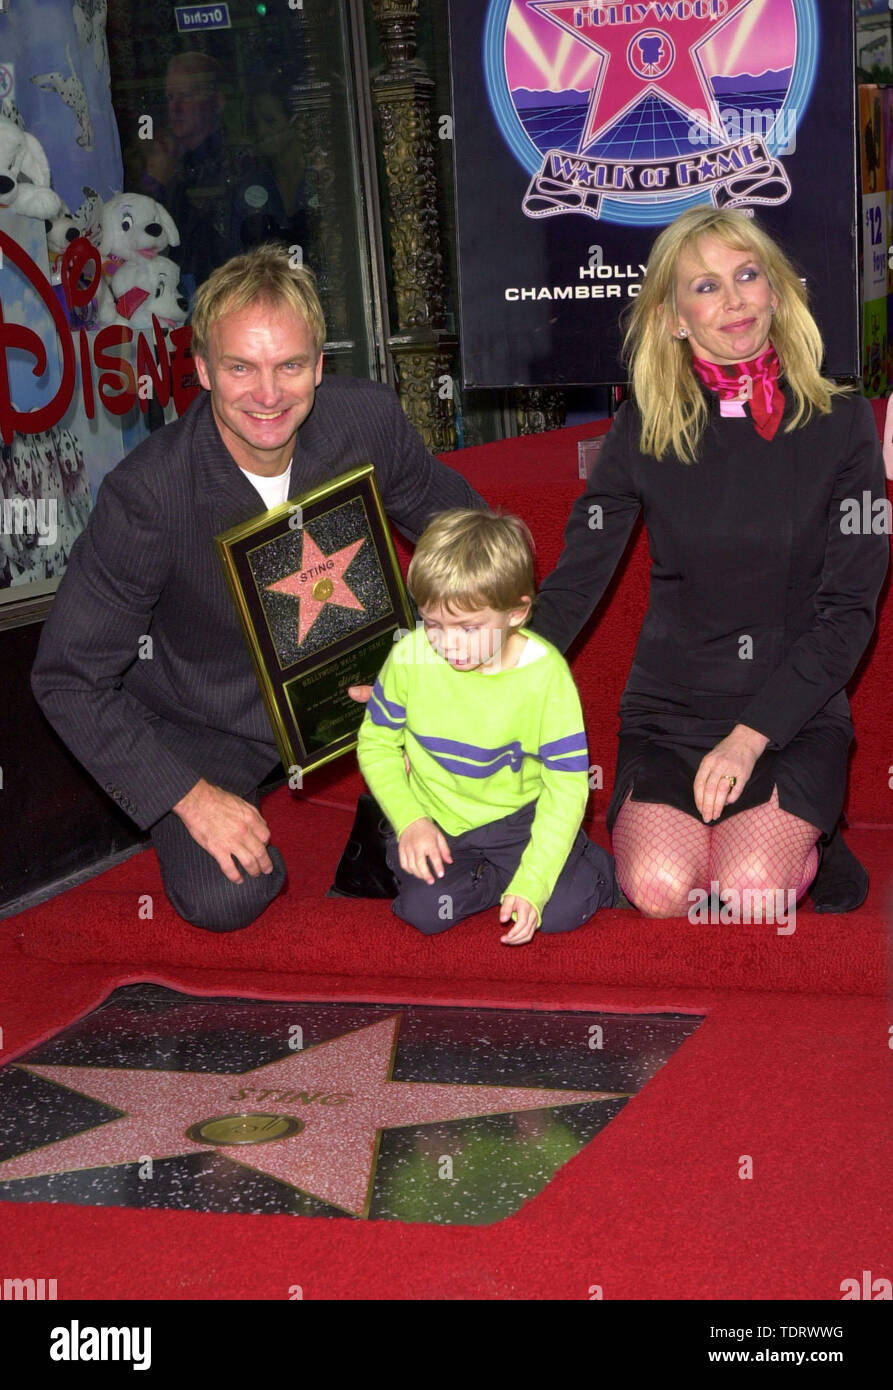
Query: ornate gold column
x=311, y=112
x=422, y=348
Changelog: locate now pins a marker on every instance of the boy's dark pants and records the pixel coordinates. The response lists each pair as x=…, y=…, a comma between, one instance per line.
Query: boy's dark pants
x=484, y=862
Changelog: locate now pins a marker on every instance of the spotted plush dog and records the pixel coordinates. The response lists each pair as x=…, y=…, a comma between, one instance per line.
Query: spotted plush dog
x=147, y=290
x=89, y=20
x=24, y=460
x=71, y=91
x=75, y=483
x=61, y=232
x=134, y=229
x=89, y=215
x=24, y=170
x=134, y=225
x=11, y=550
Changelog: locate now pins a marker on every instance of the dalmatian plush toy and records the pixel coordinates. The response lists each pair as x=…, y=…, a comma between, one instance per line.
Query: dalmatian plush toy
x=23, y=465
x=10, y=567
x=89, y=21
x=147, y=290
x=75, y=498
x=134, y=229
x=70, y=90
x=61, y=231
x=134, y=225
x=24, y=171
x=68, y=226
x=22, y=557
x=49, y=469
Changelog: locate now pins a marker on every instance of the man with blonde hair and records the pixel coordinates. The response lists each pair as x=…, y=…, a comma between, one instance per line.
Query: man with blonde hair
x=489, y=807
x=175, y=728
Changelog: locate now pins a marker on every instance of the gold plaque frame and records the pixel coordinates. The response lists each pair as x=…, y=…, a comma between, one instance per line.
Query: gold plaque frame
x=321, y=600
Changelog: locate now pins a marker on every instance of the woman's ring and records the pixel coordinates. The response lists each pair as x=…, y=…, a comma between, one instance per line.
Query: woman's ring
x=727, y=778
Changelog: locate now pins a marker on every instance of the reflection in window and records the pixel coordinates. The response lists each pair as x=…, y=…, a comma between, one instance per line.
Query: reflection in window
x=244, y=135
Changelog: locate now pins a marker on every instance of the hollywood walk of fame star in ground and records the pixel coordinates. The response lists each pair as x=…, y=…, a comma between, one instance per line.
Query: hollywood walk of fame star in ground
x=385, y=1112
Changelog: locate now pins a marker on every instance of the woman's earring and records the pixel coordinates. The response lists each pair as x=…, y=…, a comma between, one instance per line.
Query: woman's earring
x=683, y=333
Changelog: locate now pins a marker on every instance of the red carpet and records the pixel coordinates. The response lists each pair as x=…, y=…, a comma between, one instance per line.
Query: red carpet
x=303, y=932
x=653, y=1208
x=790, y=1067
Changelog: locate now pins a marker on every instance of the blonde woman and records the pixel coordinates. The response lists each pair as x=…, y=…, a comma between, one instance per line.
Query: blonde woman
x=735, y=725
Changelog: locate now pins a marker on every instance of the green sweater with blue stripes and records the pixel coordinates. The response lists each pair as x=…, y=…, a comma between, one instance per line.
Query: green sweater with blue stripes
x=480, y=745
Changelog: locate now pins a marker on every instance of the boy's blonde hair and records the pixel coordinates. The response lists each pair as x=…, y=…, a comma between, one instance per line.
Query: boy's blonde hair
x=263, y=275
x=469, y=560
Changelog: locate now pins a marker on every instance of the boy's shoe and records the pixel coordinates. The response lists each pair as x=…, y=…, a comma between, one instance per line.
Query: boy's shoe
x=363, y=870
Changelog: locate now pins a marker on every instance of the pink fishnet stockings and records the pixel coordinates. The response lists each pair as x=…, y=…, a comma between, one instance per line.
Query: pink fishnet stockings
x=664, y=854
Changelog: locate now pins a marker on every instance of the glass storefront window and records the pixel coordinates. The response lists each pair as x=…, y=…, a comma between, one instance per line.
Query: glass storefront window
x=195, y=132
x=245, y=132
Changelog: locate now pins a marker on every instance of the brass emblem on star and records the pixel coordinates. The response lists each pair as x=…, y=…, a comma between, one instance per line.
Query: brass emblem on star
x=255, y=1128
x=323, y=590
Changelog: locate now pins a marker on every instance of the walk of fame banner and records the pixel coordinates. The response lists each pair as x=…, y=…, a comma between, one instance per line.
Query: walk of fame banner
x=321, y=599
x=582, y=129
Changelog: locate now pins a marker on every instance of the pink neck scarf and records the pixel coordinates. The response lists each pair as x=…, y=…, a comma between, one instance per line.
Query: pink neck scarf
x=763, y=394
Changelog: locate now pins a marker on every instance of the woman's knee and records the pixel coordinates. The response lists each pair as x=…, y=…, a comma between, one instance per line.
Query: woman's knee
x=757, y=877
x=750, y=875
x=657, y=886
x=756, y=872
x=662, y=855
x=670, y=900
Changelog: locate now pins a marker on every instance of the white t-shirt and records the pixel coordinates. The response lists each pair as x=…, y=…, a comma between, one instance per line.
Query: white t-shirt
x=274, y=491
x=533, y=650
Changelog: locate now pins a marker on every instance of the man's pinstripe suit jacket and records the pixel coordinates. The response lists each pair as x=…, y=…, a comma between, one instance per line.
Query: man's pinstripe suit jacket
x=146, y=565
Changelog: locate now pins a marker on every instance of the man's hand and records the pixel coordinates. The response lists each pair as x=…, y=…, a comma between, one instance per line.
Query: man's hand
x=161, y=157
x=225, y=825
x=526, y=923
x=420, y=842
x=735, y=756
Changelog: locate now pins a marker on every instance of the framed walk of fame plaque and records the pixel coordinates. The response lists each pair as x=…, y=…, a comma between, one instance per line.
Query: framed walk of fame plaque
x=320, y=595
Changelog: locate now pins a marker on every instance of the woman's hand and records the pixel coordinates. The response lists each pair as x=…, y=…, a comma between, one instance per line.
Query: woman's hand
x=734, y=757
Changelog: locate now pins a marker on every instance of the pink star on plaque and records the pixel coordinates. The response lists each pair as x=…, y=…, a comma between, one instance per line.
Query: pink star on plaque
x=319, y=581
x=649, y=49
x=311, y=1120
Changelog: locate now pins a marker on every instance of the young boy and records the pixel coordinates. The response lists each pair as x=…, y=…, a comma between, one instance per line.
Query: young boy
x=489, y=809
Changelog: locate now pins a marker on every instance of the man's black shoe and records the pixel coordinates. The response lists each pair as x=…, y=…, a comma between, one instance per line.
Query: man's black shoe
x=841, y=883
x=362, y=871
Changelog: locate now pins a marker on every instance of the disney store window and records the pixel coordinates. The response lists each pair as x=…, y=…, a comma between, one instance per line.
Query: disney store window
x=141, y=145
